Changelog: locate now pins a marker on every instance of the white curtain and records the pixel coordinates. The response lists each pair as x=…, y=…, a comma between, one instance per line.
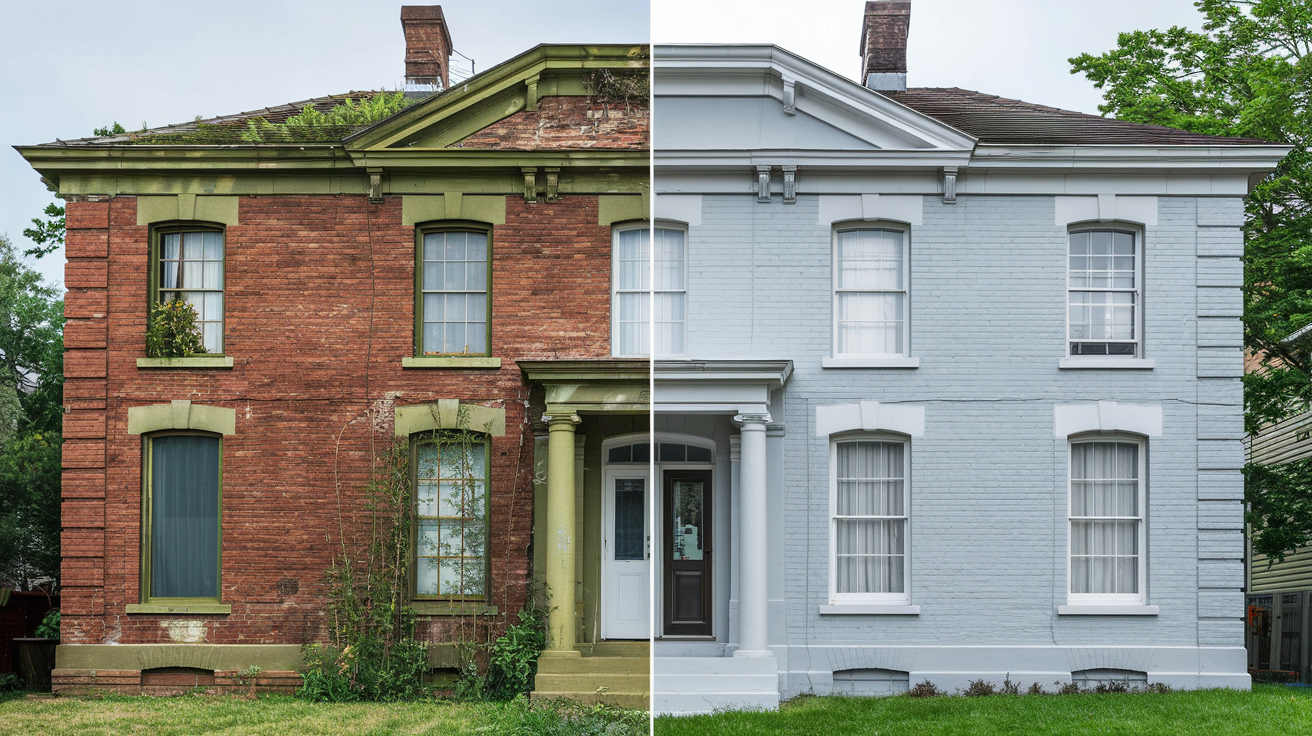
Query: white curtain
x=871, y=293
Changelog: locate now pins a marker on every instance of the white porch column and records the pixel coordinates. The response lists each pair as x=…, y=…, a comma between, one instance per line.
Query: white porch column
x=753, y=568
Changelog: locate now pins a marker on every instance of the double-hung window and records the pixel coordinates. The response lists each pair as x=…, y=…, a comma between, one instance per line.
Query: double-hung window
x=870, y=293
x=451, y=518
x=189, y=267
x=1106, y=521
x=1104, y=309
x=637, y=288
x=869, y=516
x=181, y=519
x=453, y=306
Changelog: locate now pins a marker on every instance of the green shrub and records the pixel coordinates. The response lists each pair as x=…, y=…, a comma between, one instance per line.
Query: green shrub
x=513, y=657
x=49, y=628
x=925, y=689
x=172, y=330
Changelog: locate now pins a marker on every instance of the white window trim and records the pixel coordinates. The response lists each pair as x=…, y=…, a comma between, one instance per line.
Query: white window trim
x=870, y=602
x=1138, y=361
x=1085, y=603
x=683, y=228
x=837, y=359
x=615, y=290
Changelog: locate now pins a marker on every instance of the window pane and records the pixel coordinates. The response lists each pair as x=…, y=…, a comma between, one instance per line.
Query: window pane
x=870, y=479
x=630, y=516
x=452, y=528
x=633, y=259
x=870, y=556
x=870, y=323
x=870, y=259
x=184, y=519
x=669, y=260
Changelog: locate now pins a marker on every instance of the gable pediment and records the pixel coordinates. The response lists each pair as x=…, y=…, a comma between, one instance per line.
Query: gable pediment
x=752, y=98
x=542, y=90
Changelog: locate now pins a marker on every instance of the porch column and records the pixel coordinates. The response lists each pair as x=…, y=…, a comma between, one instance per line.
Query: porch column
x=753, y=595
x=561, y=535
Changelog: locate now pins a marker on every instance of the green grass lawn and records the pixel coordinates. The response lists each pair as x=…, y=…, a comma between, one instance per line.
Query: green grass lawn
x=278, y=715
x=1268, y=709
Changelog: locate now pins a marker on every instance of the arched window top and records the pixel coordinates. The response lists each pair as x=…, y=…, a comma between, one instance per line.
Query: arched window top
x=666, y=452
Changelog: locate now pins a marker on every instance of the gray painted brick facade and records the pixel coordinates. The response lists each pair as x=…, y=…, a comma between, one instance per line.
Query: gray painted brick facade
x=988, y=549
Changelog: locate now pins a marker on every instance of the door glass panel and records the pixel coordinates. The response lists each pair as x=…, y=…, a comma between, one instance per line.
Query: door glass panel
x=687, y=521
x=630, y=513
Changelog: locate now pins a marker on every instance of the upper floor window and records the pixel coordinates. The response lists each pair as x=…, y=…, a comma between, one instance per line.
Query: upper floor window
x=451, y=517
x=1107, y=522
x=1103, y=293
x=648, y=302
x=869, y=511
x=453, y=311
x=870, y=292
x=189, y=266
x=181, y=517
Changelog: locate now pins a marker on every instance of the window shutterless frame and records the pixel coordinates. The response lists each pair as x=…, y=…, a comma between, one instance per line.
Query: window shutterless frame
x=859, y=319
x=631, y=292
x=146, y=595
x=437, y=439
x=902, y=597
x=1098, y=283
x=158, y=234
x=467, y=287
x=1114, y=516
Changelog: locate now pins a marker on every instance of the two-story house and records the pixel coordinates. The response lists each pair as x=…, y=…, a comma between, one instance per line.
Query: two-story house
x=947, y=386
x=448, y=267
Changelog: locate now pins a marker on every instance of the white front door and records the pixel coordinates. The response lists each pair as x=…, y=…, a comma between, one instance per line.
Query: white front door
x=625, y=556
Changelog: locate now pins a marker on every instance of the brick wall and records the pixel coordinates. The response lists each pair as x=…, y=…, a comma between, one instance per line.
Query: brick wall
x=569, y=122
x=319, y=313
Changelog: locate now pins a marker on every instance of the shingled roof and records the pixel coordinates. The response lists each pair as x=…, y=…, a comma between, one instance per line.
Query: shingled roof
x=228, y=129
x=994, y=119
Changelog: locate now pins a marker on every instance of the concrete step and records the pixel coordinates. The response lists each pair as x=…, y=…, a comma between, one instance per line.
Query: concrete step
x=589, y=681
x=637, y=700
x=616, y=649
x=595, y=665
x=714, y=666
x=687, y=704
x=686, y=685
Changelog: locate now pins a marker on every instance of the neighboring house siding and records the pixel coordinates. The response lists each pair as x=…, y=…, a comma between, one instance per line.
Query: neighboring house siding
x=989, y=479
x=1281, y=443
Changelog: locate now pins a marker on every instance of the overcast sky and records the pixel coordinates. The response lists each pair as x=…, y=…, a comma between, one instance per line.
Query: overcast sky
x=70, y=66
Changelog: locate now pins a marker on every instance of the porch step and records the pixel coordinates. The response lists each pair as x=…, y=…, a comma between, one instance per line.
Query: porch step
x=616, y=649
x=611, y=675
x=637, y=701
x=688, y=685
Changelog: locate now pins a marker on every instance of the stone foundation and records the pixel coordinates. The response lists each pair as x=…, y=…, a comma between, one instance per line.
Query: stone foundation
x=171, y=681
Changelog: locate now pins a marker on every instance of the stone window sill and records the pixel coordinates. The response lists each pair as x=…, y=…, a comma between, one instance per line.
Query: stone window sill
x=437, y=361
x=896, y=362
x=869, y=609
x=1110, y=610
x=195, y=361
x=216, y=608
x=452, y=608
x=1122, y=364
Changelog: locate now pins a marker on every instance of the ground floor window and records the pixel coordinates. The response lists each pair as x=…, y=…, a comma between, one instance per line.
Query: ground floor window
x=869, y=521
x=451, y=518
x=1106, y=521
x=182, y=516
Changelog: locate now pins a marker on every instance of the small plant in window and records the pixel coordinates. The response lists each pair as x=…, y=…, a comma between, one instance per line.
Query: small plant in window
x=172, y=330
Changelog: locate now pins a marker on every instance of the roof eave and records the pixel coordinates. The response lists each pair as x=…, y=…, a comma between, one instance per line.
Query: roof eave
x=1216, y=157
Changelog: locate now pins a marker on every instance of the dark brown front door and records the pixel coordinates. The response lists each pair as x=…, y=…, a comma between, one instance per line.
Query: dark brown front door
x=687, y=553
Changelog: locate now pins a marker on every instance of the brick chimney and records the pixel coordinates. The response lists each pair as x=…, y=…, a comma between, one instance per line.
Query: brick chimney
x=884, y=45
x=427, y=47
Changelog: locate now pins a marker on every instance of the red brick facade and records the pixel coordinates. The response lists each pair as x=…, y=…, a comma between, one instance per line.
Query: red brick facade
x=319, y=313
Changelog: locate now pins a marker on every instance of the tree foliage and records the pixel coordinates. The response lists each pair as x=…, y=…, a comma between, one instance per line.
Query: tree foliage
x=48, y=234
x=1247, y=73
x=31, y=400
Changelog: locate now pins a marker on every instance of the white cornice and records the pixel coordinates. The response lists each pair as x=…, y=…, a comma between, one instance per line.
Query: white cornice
x=1127, y=158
